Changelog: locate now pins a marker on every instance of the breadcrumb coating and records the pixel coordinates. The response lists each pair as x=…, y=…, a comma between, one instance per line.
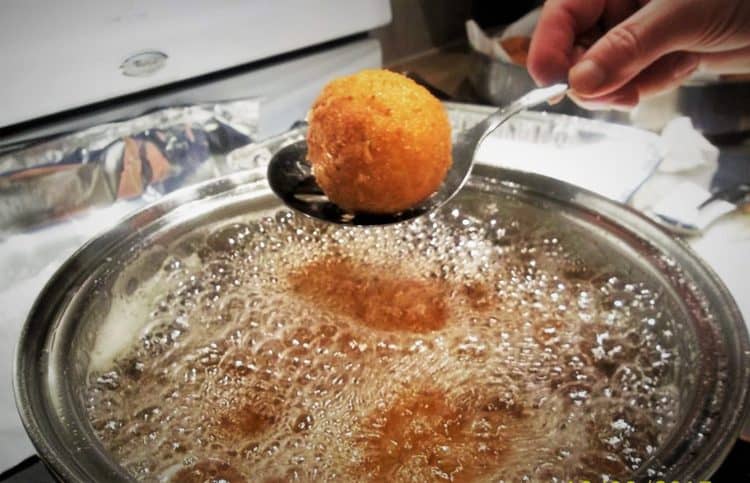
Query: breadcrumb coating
x=378, y=142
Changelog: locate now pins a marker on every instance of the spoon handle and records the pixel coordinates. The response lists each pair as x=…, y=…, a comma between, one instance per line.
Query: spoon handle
x=465, y=146
x=533, y=98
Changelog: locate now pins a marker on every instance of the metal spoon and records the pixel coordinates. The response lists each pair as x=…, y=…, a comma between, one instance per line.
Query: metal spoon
x=291, y=178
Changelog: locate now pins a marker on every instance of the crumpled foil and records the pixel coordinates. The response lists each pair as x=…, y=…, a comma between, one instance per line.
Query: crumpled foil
x=147, y=156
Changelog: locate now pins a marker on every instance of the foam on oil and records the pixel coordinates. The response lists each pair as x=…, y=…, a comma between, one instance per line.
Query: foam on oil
x=443, y=349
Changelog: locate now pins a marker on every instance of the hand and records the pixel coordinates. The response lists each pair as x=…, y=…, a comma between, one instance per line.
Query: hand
x=616, y=52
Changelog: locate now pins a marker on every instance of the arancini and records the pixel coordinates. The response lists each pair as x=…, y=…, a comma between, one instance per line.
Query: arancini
x=378, y=142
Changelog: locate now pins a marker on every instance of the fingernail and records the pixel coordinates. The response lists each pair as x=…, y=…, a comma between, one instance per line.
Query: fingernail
x=591, y=106
x=624, y=102
x=556, y=100
x=587, y=76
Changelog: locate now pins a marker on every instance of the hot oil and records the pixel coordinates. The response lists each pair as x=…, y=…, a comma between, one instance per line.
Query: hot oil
x=444, y=349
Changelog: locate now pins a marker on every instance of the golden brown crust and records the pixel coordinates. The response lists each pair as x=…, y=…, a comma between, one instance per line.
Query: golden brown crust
x=378, y=142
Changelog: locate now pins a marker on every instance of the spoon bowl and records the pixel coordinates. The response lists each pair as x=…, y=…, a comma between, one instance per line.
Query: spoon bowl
x=290, y=174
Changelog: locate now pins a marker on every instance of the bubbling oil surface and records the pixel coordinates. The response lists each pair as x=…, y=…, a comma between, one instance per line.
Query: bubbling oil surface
x=445, y=349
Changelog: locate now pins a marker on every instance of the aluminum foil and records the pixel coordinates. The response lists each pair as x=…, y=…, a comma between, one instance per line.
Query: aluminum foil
x=147, y=156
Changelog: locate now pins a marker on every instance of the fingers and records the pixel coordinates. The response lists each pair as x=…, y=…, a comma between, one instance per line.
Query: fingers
x=552, y=45
x=735, y=61
x=624, y=99
x=631, y=46
x=615, y=11
x=642, y=53
x=666, y=73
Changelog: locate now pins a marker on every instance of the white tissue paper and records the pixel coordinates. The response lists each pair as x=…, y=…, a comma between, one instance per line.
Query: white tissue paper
x=481, y=42
x=680, y=206
x=686, y=148
x=485, y=44
x=681, y=182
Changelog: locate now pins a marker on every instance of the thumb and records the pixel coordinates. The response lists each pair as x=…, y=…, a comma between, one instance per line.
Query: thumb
x=627, y=49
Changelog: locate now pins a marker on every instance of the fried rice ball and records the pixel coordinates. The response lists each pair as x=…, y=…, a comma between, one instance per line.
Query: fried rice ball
x=378, y=142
